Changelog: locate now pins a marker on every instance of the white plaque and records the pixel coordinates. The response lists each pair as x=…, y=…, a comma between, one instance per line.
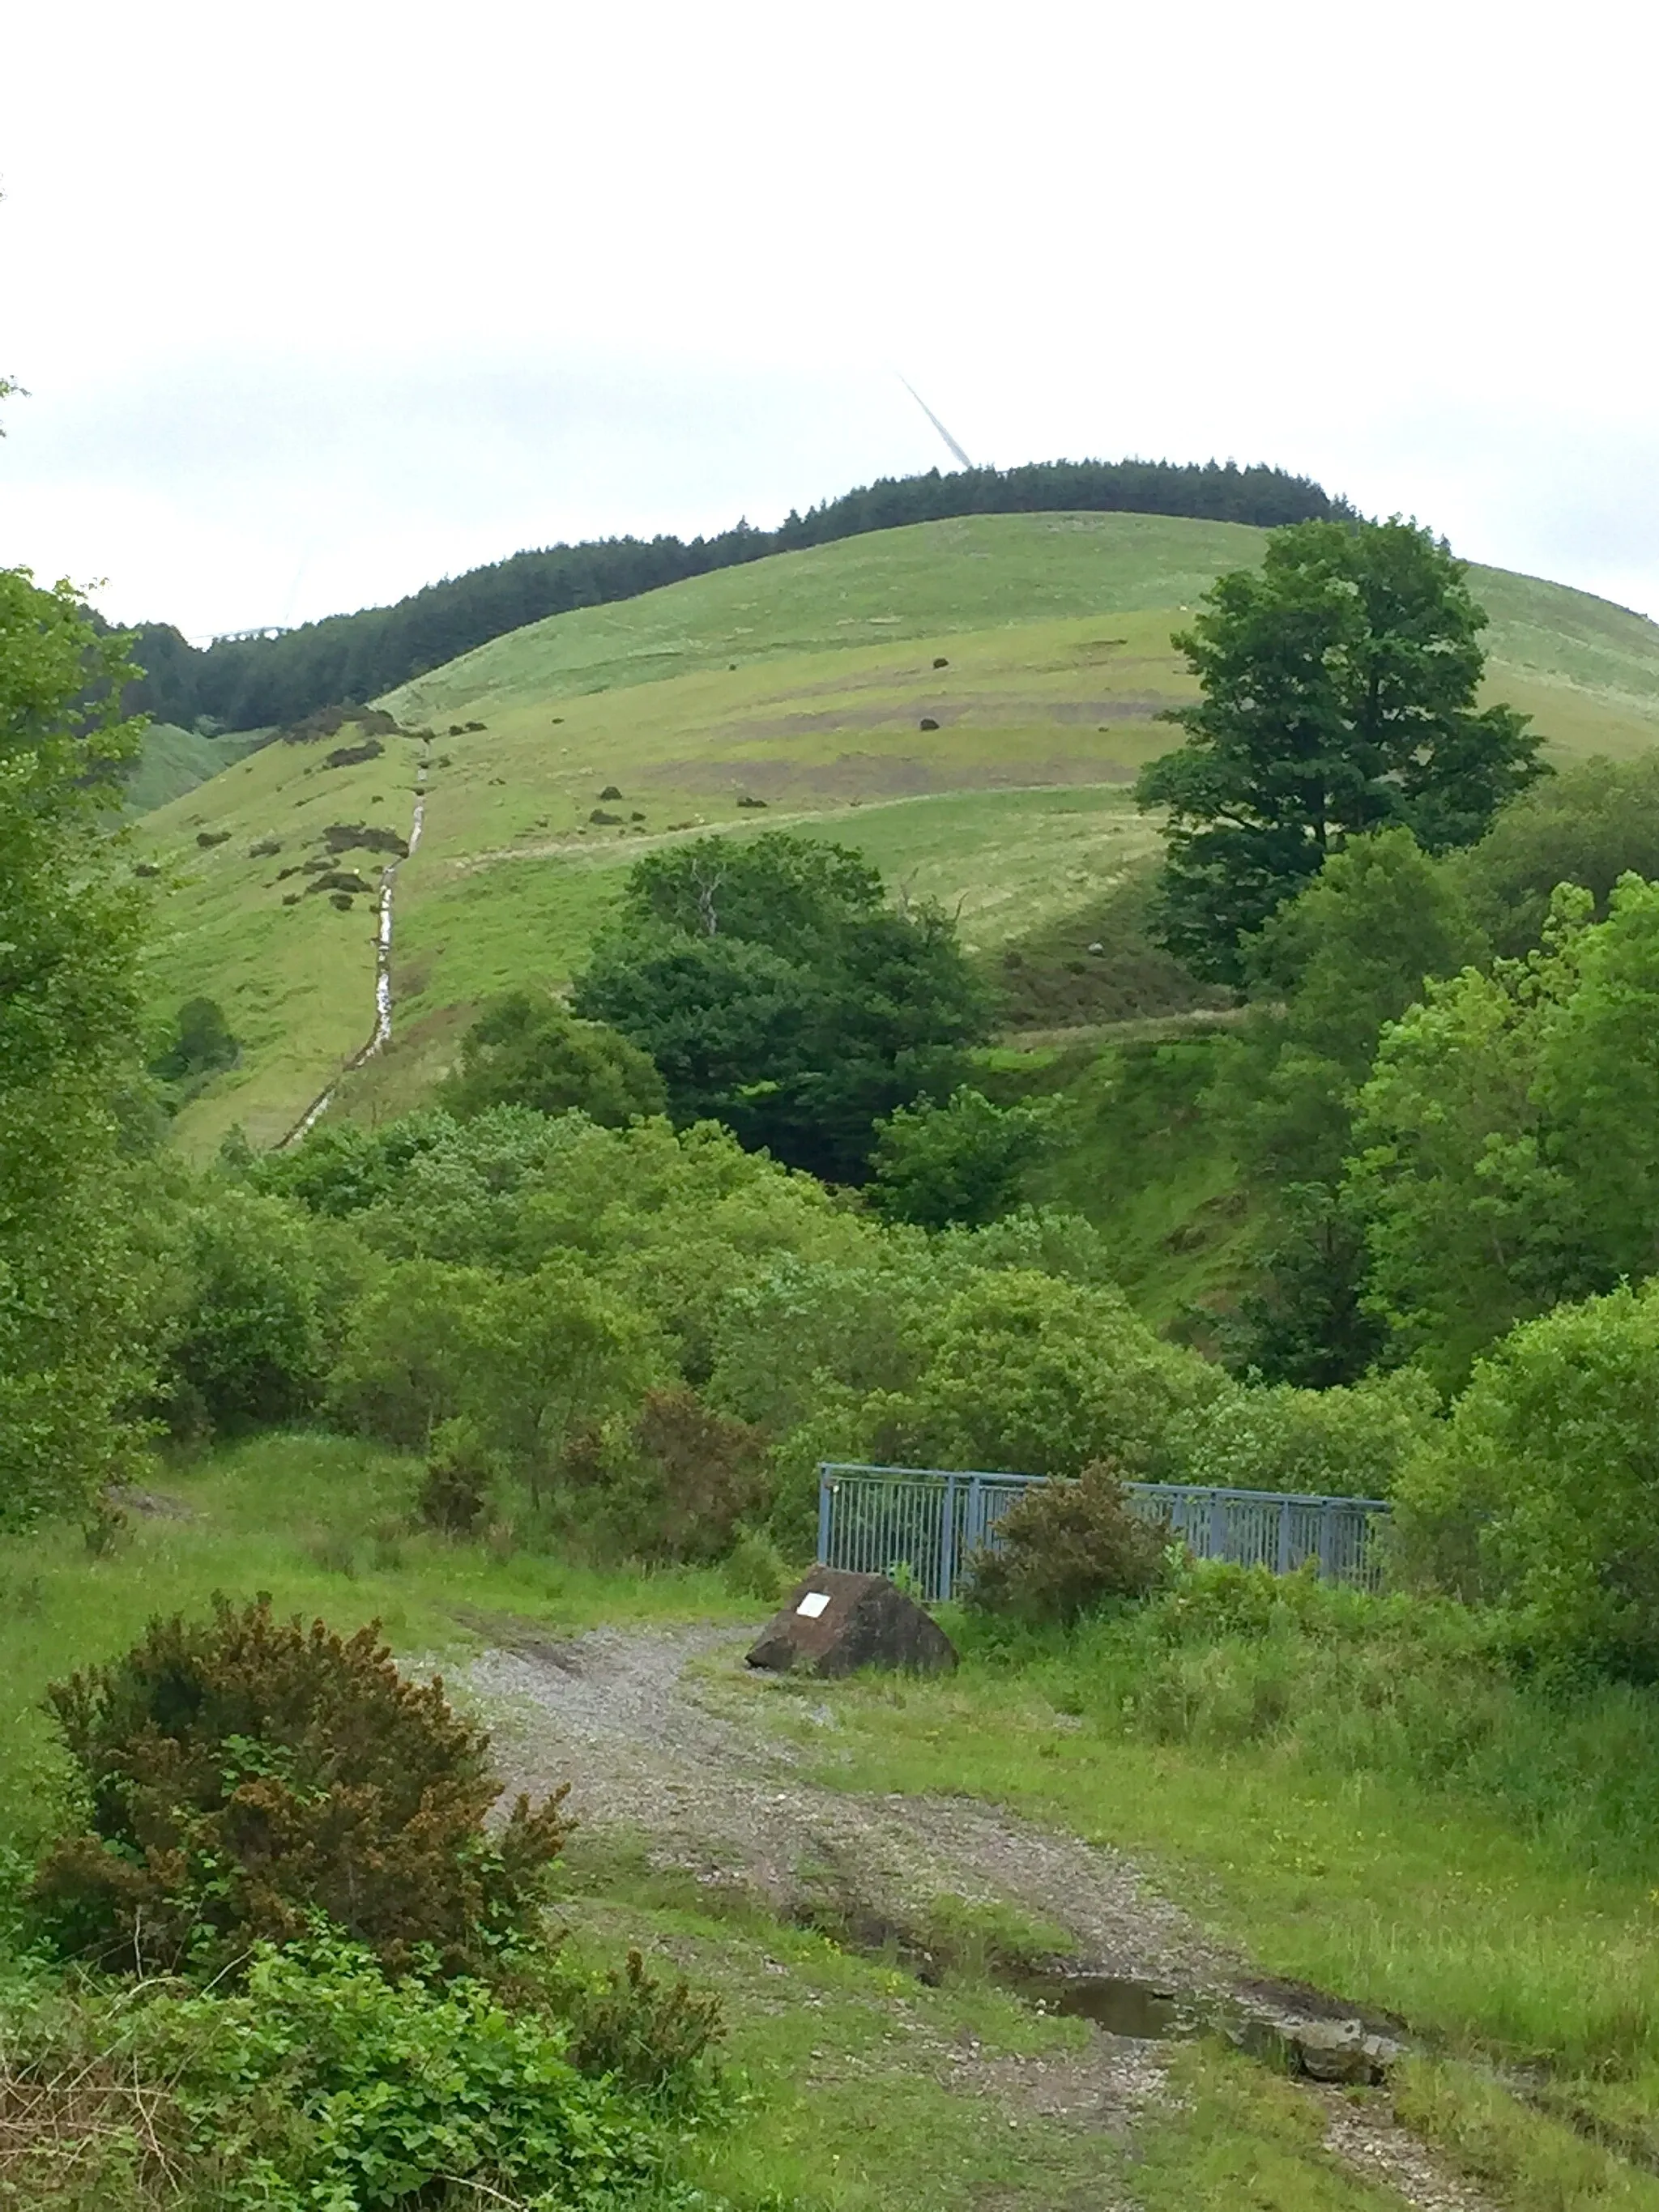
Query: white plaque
x=814, y=1603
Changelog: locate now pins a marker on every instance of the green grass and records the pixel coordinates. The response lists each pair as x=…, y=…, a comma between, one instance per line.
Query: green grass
x=1309, y=1846
x=322, y=1522
x=1428, y=1902
x=801, y=682
x=174, y=761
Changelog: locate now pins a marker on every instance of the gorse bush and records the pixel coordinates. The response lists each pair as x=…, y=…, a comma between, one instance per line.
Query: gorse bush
x=1065, y=1549
x=240, y=1775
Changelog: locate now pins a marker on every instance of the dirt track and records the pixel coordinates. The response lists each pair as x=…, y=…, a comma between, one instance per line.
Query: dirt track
x=661, y=1736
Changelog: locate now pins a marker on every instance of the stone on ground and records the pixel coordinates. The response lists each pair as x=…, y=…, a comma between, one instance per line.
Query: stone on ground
x=835, y=1622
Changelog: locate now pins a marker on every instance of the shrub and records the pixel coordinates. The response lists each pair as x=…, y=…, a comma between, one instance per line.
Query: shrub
x=676, y=1485
x=1543, y=1494
x=756, y=1568
x=460, y=1476
x=1067, y=1548
x=961, y=1161
x=327, y=2083
x=1341, y=1441
x=241, y=1775
x=526, y=1049
x=201, y=1042
x=258, y=1297
x=1037, y=1376
x=649, y=2035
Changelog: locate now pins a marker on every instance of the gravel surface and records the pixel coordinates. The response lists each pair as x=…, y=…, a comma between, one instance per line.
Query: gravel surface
x=660, y=1734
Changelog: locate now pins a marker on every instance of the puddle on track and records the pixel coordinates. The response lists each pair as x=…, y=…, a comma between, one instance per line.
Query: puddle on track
x=1140, y=2010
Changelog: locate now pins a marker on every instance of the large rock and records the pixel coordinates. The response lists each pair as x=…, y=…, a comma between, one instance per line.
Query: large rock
x=835, y=1622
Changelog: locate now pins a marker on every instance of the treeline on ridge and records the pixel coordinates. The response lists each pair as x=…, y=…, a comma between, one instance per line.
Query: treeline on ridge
x=245, y=684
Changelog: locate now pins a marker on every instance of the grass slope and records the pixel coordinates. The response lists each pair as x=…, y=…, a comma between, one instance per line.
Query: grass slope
x=174, y=761
x=799, y=685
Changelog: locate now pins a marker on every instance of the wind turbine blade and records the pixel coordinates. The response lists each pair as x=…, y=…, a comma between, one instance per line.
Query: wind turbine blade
x=955, y=448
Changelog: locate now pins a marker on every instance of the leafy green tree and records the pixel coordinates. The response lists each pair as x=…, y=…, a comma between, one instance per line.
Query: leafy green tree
x=1589, y=823
x=775, y=993
x=1348, y=954
x=525, y=1362
x=1038, y=1376
x=257, y=1292
x=789, y=892
x=200, y=1046
x=69, y=927
x=1335, y=1442
x=525, y=1050
x=961, y=1161
x=1336, y=963
x=1544, y=1496
x=1597, y=1085
x=415, y=1345
x=1338, y=686
x=1470, y=1227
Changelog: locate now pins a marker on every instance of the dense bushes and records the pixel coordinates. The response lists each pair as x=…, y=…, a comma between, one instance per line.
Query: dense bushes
x=238, y=1776
x=308, y=1975
x=962, y=1162
x=777, y=991
x=525, y=1049
x=69, y=926
x=327, y=2082
x=1020, y=1370
x=1335, y=1442
x=1543, y=1494
x=250, y=1306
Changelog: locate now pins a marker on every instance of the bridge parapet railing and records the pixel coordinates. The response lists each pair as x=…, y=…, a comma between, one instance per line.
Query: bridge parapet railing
x=931, y=1520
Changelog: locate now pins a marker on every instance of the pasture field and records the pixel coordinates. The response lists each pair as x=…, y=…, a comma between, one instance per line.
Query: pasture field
x=791, y=692
x=1285, y=1803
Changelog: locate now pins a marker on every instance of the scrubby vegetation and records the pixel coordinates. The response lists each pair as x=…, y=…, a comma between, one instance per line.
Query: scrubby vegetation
x=766, y=1194
x=308, y=1975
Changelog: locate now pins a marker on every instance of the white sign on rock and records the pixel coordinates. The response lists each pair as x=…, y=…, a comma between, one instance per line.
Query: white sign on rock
x=814, y=1603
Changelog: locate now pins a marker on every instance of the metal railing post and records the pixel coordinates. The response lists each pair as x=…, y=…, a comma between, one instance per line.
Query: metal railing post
x=826, y=1514
x=1283, y=1567
x=947, y=1538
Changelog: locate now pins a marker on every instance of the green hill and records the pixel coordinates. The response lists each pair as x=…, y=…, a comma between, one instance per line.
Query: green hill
x=174, y=761
x=966, y=701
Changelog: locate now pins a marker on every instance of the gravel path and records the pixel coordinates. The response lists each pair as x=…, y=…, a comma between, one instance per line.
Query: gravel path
x=658, y=1735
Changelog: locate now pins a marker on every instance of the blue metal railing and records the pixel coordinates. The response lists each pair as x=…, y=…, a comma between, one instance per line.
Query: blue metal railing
x=931, y=1521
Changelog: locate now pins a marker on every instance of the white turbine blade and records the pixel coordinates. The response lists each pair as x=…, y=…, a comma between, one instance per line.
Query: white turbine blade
x=955, y=448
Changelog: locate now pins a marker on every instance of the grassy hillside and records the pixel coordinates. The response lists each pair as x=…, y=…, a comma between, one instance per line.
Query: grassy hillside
x=174, y=761
x=794, y=690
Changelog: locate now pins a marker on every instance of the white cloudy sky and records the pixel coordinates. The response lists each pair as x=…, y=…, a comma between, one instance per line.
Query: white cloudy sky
x=315, y=302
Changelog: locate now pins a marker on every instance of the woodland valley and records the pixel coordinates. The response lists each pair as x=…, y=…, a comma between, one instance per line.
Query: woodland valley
x=1123, y=974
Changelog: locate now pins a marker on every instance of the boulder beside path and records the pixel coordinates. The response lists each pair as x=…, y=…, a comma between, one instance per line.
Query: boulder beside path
x=835, y=1622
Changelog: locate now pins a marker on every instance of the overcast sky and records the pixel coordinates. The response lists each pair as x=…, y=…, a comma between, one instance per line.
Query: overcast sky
x=317, y=302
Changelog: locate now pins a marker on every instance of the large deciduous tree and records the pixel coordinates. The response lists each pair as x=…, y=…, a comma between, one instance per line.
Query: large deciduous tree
x=1339, y=684
x=68, y=934
x=776, y=992
x=525, y=1049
